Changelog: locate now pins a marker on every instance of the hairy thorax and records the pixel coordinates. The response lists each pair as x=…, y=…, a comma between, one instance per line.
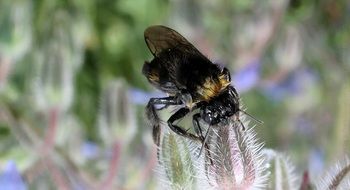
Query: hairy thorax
x=212, y=87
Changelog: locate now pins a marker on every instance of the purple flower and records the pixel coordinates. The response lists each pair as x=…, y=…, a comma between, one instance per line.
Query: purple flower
x=90, y=150
x=10, y=178
x=294, y=84
x=316, y=161
x=304, y=126
x=248, y=77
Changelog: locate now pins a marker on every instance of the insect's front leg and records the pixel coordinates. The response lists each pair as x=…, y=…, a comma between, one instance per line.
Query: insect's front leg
x=152, y=115
x=178, y=130
x=196, y=126
x=199, y=132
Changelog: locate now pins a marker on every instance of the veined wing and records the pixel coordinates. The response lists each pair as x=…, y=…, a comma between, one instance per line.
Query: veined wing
x=161, y=38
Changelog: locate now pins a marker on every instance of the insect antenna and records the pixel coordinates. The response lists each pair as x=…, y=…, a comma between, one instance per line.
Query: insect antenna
x=252, y=117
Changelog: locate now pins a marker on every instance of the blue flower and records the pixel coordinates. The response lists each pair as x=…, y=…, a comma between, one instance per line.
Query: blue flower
x=296, y=83
x=248, y=77
x=10, y=178
x=316, y=161
x=90, y=150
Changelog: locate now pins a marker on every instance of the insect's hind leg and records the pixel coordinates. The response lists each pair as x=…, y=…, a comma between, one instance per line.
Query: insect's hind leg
x=152, y=115
x=178, y=130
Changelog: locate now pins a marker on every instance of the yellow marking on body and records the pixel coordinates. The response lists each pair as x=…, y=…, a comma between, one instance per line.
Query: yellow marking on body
x=189, y=105
x=223, y=81
x=212, y=87
x=153, y=77
x=187, y=98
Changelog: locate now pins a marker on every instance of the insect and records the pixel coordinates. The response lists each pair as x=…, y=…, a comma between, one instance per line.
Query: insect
x=192, y=82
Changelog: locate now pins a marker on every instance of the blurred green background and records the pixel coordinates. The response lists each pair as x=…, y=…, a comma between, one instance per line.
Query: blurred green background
x=72, y=94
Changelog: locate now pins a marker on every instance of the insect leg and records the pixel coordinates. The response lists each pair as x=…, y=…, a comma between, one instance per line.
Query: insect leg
x=198, y=130
x=152, y=116
x=196, y=126
x=178, y=130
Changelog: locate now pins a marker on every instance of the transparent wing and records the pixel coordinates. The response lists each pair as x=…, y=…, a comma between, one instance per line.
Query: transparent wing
x=161, y=38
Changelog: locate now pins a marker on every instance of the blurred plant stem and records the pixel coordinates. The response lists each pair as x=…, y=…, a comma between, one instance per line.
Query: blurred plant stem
x=37, y=146
x=56, y=175
x=107, y=183
x=342, y=128
x=64, y=167
x=49, y=139
x=15, y=29
x=116, y=115
x=5, y=68
x=15, y=35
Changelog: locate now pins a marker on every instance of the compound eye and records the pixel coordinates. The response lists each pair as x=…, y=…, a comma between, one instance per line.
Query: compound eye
x=208, y=118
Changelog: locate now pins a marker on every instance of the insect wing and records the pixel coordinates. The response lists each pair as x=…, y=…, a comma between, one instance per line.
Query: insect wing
x=160, y=38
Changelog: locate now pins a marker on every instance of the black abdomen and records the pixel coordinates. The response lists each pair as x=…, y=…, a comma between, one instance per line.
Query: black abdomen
x=173, y=72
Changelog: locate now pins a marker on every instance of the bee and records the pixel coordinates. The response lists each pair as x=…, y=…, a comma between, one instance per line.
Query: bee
x=191, y=81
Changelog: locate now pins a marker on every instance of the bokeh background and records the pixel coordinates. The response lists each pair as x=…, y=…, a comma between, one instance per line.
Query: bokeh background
x=72, y=95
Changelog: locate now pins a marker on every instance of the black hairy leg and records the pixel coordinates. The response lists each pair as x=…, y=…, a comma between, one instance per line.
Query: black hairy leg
x=178, y=130
x=152, y=115
x=196, y=126
x=199, y=132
